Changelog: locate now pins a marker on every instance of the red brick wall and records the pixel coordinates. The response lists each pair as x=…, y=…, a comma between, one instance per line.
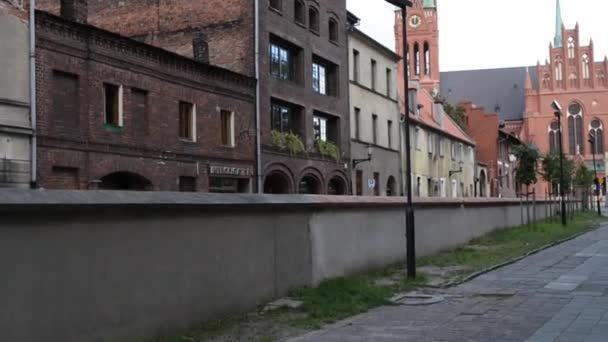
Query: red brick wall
x=72, y=69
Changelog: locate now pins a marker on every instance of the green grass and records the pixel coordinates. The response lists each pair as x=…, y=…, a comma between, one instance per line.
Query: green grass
x=504, y=245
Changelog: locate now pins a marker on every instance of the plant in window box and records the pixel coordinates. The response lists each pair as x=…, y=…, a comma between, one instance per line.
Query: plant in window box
x=288, y=141
x=277, y=139
x=328, y=149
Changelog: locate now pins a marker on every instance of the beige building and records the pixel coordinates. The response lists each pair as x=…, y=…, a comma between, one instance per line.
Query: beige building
x=15, y=129
x=443, y=155
x=375, y=123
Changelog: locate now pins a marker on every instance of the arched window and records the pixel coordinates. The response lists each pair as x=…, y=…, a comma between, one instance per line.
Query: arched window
x=559, y=70
x=313, y=19
x=427, y=59
x=333, y=30
x=546, y=80
x=408, y=60
x=571, y=48
x=601, y=78
x=586, y=71
x=276, y=4
x=573, y=78
x=575, y=129
x=299, y=12
x=554, y=136
x=596, y=130
x=417, y=58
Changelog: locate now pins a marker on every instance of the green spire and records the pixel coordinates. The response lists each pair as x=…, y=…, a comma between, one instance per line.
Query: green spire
x=558, y=41
x=429, y=4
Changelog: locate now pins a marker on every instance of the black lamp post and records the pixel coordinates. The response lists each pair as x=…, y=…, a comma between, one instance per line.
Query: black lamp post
x=409, y=208
x=597, y=181
x=558, y=113
x=370, y=151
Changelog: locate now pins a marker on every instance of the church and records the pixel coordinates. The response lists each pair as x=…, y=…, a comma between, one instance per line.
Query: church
x=522, y=97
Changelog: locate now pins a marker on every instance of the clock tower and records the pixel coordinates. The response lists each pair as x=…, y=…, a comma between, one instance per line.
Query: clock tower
x=422, y=55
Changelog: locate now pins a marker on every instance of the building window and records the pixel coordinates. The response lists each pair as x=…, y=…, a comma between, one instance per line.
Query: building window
x=407, y=61
x=471, y=155
x=374, y=73
x=546, y=80
x=325, y=127
x=571, y=52
x=187, y=121
x=359, y=183
x=320, y=128
x=596, y=130
x=417, y=59
x=313, y=20
x=441, y=147
x=417, y=138
x=333, y=30
x=284, y=118
x=357, y=123
x=299, y=12
x=187, y=184
x=573, y=78
x=559, y=70
x=389, y=79
x=390, y=134
x=429, y=139
x=66, y=100
x=375, y=129
x=575, y=129
x=139, y=105
x=601, y=78
x=586, y=71
x=500, y=178
x=276, y=5
x=113, y=105
x=356, y=66
x=227, y=122
x=460, y=153
x=453, y=151
x=324, y=77
x=225, y=185
x=427, y=59
x=554, y=137
x=376, y=184
x=281, y=61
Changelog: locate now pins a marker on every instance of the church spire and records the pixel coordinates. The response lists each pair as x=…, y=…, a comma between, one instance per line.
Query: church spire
x=558, y=26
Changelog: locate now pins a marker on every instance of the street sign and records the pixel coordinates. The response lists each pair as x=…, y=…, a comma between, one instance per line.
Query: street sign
x=371, y=183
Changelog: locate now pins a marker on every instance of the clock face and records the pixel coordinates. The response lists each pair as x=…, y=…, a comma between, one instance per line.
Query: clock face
x=415, y=21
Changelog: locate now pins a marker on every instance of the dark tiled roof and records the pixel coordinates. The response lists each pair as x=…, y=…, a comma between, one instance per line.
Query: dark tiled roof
x=490, y=88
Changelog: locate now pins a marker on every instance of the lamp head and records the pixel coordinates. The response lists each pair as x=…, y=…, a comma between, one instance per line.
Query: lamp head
x=370, y=151
x=556, y=107
x=401, y=3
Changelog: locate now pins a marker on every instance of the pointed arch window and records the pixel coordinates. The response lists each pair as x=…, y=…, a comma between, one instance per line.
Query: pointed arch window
x=554, y=136
x=546, y=80
x=408, y=60
x=427, y=59
x=571, y=51
x=601, y=78
x=417, y=58
x=596, y=130
x=559, y=70
x=576, y=143
x=586, y=70
x=573, y=78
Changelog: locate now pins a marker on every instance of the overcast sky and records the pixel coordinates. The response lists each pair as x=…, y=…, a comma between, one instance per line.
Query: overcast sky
x=479, y=34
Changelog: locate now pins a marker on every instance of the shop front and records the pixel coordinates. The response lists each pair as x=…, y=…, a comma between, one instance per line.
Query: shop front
x=230, y=179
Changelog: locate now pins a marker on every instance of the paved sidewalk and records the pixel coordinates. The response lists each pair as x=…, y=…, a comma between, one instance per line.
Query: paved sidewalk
x=560, y=294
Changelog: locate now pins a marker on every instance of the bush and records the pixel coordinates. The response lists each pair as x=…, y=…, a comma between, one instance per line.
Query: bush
x=288, y=141
x=328, y=149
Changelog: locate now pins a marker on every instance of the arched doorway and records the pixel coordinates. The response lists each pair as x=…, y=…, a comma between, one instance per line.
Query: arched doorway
x=276, y=183
x=336, y=186
x=309, y=185
x=125, y=181
x=391, y=186
x=482, y=184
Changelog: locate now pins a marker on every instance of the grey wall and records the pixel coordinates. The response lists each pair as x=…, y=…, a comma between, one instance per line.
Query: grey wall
x=99, y=266
x=14, y=102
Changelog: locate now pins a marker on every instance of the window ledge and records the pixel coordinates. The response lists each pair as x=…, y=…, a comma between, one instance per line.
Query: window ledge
x=335, y=42
x=230, y=147
x=315, y=32
x=188, y=141
x=113, y=128
x=275, y=10
x=302, y=25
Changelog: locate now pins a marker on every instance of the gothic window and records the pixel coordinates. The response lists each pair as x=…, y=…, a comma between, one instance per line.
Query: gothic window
x=559, y=70
x=596, y=130
x=571, y=48
x=417, y=58
x=586, y=71
x=427, y=59
x=407, y=54
x=601, y=78
x=576, y=143
x=573, y=78
x=554, y=136
x=546, y=80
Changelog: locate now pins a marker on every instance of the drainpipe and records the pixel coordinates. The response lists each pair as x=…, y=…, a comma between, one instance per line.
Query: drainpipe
x=258, y=134
x=33, y=142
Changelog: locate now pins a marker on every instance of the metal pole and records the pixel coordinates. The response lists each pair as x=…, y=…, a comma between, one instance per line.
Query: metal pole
x=561, y=170
x=597, y=183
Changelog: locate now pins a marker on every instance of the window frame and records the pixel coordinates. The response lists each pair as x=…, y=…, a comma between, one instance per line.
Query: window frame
x=375, y=129
x=276, y=5
x=278, y=65
x=227, y=128
x=333, y=33
x=301, y=3
x=192, y=122
x=118, y=121
x=314, y=20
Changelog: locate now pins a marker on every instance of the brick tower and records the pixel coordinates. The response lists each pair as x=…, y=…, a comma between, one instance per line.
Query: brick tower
x=423, y=44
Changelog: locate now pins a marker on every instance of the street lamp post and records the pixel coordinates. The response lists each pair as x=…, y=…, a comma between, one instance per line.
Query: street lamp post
x=409, y=208
x=558, y=112
x=597, y=181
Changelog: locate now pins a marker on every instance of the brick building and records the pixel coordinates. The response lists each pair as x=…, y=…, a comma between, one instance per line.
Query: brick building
x=116, y=113
x=303, y=74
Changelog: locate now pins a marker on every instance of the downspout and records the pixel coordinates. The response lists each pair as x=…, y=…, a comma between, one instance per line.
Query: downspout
x=258, y=133
x=33, y=141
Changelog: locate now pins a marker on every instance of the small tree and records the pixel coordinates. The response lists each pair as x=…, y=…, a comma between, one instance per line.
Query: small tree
x=551, y=171
x=583, y=181
x=457, y=113
x=525, y=173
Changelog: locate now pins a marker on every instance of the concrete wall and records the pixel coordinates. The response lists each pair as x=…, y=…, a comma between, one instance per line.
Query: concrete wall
x=100, y=266
x=14, y=98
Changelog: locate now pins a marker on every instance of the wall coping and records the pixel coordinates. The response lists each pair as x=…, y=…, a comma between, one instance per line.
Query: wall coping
x=26, y=199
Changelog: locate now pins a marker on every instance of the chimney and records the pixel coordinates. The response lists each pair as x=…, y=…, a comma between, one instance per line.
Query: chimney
x=75, y=10
x=200, y=48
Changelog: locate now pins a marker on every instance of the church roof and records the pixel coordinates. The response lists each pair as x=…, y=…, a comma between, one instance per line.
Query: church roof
x=500, y=90
x=558, y=40
x=429, y=4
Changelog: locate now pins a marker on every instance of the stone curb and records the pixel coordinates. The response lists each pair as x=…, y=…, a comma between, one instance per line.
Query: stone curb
x=508, y=262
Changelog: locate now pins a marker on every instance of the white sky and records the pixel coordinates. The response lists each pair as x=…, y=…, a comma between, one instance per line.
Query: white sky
x=480, y=34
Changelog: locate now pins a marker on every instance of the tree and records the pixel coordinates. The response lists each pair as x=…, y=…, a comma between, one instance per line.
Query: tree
x=583, y=180
x=525, y=173
x=457, y=113
x=551, y=171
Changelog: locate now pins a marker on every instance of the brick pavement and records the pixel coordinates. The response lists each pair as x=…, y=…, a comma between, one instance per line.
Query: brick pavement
x=560, y=294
